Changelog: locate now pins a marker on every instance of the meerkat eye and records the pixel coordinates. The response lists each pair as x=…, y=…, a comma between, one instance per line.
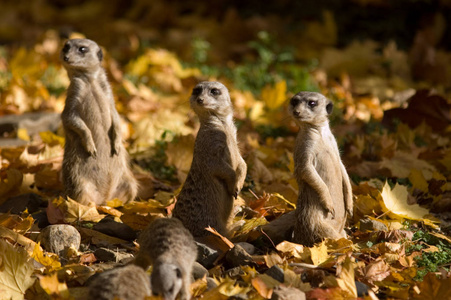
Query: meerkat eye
x=197, y=91
x=83, y=49
x=66, y=48
x=312, y=103
x=215, y=92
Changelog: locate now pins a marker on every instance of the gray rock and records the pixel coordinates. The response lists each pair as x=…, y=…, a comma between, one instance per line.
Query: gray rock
x=368, y=224
x=287, y=293
x=234, y=272
x=276, y=272
x=362, y=289
x=237, y=256
x=199, y=271
x=105, y=254
x=206, y=256
x=116, y=229
x=58, y=238
x=11, y=143
x=211, y=283
x=281, y=229
x=250, y=249
x=34, y=122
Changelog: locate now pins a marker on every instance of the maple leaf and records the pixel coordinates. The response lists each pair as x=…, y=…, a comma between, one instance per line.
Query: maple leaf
x=16, y=271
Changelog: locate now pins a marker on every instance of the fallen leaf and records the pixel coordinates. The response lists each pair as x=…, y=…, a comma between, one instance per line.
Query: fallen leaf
x=395, y=202
x=16, y=271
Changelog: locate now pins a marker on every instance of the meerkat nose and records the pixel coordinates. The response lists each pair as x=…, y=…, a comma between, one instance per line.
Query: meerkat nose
x=296, y=113
x=200, y=100
x=66, y=58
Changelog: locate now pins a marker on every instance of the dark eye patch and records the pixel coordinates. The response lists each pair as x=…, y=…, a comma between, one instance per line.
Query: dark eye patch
x=66, y=48
x=215, y=92
x=83, y=49
x=294, y=101
x=197, y=91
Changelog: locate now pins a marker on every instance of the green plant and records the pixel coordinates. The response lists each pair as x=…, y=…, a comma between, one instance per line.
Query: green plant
x=430, y=261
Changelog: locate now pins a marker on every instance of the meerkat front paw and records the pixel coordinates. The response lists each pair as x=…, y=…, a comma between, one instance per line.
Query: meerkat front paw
x=330, y=209
x=91, y=149
x=116, y=148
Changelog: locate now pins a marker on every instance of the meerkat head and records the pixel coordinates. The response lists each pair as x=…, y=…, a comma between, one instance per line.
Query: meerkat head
x=81, y=54
x=166, y=280
x=311, y=108
x=211, y=98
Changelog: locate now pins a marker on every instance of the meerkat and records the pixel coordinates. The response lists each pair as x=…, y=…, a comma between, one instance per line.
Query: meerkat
x=126, y=283
x=95, y=164
x=325, y=193
x=170, y=248
x=217, y=171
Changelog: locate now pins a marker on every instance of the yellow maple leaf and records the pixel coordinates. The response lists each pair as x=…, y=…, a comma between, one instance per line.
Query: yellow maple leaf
x=274, y=96
x=418, y=181
x=346, y=280
x=22, y=134
x=53, y=287
x=16, y=270
x=318, y=253
x=52, y=139
x=395, y=202
x=48, y=260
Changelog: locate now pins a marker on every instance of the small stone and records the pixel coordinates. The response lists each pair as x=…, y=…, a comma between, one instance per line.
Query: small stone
x=250, y=249
x=237, y=256
x=281, y=229
x=16, y=205
x=287, y=293
x=199, y=271
x=368, y=224
x=276, y=272
x=34, y=122
x=206, y=256
x=362, y=289
x=59, y=238
x=112, y=228
x=211, y=283
x=105, y=254
x=234, y=272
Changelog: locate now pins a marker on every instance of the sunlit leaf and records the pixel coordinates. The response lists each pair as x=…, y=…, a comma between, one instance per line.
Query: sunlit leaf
x=16, y=271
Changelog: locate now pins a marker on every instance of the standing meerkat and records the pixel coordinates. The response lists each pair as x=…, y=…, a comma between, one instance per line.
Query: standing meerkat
x=171, y=249
x=218, y=171
x=126, y=283
x=325, y=193
x=95, y=164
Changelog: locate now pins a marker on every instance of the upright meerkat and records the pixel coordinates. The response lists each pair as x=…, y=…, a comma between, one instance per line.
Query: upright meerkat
x=218, y=171
x=171, y=249
x=95, y=164
x=325, y=193
x=126, y=283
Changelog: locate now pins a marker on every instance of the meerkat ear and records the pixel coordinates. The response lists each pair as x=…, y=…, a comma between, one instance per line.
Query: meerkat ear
x=329, y=107
x=100, y=54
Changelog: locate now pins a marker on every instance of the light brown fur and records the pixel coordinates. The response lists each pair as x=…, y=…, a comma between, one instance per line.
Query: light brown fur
x=95, y=164
x=126, y=283
x=218, y=171
x=171, y=249
x=325, y=193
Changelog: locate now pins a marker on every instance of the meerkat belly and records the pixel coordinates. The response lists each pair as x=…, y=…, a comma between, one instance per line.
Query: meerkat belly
x=328, y=168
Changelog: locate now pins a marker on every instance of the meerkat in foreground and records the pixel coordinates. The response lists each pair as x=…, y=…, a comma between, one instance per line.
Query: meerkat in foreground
x=170, y=249
x=95, y=165
x=218, y=171
x=325, y=193
x=126, y=283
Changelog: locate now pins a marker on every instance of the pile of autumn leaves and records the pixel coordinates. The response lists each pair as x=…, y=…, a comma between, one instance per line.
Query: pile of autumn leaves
x=416, y=162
